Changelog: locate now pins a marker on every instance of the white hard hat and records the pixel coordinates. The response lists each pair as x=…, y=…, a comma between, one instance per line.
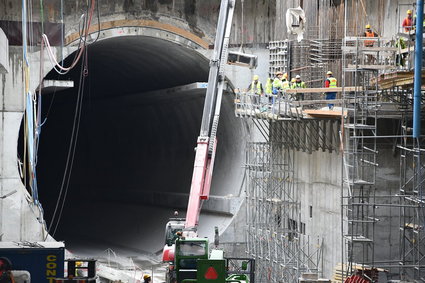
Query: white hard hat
x=298, y=77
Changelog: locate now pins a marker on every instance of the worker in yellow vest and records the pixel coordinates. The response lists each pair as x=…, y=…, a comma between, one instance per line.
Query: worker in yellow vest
x=256, y=88
x=277, y=82
x=299, y=84
x=285, y=82
x=330, y=82
x=269, y=86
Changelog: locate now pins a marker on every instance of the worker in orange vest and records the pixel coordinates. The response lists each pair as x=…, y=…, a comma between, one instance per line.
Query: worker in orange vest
x=369, y=33
x=408, y=22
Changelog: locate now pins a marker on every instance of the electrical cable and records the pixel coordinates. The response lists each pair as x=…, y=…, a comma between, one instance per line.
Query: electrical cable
x=74, y=137
x=63, y=70
x=70, y=157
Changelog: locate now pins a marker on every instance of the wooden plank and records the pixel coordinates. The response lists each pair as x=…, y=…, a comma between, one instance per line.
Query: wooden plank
x=324, y=113
x=324, y=101
x=323, y=89
x=371, y=49
x=372, y=67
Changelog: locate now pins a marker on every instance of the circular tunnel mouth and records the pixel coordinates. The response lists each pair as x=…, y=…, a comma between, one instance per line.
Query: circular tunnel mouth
x=134, y=156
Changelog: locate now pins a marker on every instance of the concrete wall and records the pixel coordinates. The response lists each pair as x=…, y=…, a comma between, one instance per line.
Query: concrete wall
x=19, y=221
x=318, y=177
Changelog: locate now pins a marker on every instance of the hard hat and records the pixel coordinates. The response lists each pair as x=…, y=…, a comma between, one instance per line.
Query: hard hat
x=293, y=80
x=367, y=27
x=298, y=77
x=255, y=77
x=409, y=12
x=285, y=75
x=279, y=73
x=329, y=73
x=146, y=276
x=78, y=263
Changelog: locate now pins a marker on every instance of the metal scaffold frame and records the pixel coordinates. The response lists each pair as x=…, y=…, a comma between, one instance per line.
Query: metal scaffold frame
x=412, y=209
x=275, y=234
x=362, y=61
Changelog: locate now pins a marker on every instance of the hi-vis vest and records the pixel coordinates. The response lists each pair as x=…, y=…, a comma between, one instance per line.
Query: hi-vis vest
x=269, y=86
x=285, y=84
x=332, y=82
x=258, y=90
x=369, y=43
x=277, y=83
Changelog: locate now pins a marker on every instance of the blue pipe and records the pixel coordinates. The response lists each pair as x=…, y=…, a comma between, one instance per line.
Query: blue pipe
x=418, y=70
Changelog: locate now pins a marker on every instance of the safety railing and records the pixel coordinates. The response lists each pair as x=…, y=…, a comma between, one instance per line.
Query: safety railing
x=267, y=106
x=286, y=105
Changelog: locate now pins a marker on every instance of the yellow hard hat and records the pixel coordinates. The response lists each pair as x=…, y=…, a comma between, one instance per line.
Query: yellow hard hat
x=409, y=12
x=146, y=276
x=255, y=77
x=78, y=263
x=285, y=75
x=367, y=26
x=293, y=80
x=329, y=73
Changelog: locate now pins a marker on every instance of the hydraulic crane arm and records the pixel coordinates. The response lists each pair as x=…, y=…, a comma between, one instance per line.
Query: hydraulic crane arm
x=207, y=142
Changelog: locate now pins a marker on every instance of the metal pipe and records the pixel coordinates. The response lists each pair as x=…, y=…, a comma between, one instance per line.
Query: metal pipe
x=418, y=69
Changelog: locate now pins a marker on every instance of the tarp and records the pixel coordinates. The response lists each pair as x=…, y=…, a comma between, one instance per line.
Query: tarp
x=295, y=22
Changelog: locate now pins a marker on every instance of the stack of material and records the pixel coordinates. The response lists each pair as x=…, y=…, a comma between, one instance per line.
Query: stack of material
x=312, y=278
x=395, y=79
x=358, y=269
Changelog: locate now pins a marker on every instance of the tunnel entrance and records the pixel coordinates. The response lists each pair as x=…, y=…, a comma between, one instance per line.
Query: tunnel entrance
x=133, y=162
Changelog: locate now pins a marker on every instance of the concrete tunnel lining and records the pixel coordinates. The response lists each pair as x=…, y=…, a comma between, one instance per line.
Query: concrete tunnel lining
x=135, y=152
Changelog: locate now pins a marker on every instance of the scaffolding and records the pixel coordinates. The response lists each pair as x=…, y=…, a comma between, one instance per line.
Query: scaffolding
x=374, y=88
x=412, y=200
x=384, y=93
x=359, y=157
x=275, y=234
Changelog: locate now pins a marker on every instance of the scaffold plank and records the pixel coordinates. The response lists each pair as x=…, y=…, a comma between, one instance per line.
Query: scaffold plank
x=325, y=113
x=324, y=89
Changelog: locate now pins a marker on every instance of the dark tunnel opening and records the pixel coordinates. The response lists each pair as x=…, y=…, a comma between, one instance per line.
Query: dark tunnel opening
x=134, y=157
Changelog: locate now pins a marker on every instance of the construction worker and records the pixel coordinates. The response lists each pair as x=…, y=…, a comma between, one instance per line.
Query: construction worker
x=423, y=22
x=79, y=272
x=330, y=82
x=6, y=275
x=269, y=86
x=369, y=33
x=147, y=278
x=256, y=88
x=285, y=82
x=299, y=84
x=277, y=82
x=408, y=22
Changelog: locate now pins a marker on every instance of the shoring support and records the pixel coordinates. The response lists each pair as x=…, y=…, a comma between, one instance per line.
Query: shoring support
x=418, y=70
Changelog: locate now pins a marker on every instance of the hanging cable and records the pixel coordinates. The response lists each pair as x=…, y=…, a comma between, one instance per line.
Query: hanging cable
x=70, y=157
x=63, y=192
x=58, y=67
